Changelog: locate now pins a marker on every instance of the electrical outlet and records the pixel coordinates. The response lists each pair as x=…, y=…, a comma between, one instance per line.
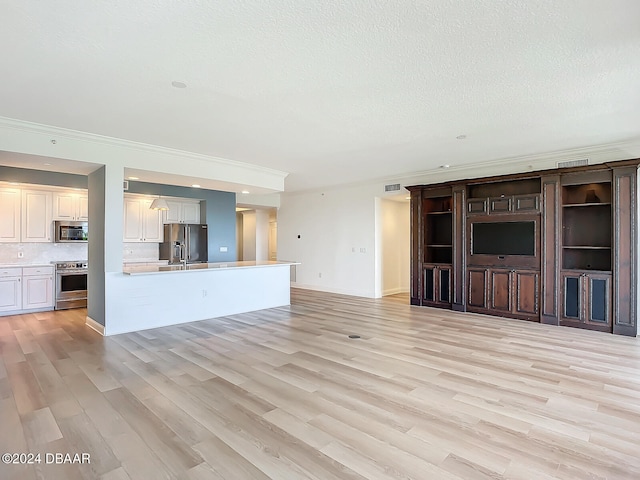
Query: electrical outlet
x=204, y=293
x=363, y=250
x=224, y=249
x=320, y=275
x=20, y=254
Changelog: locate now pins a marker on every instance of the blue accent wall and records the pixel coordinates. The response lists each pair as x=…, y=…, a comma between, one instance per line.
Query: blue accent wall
x=41, y=177
x=217, y=210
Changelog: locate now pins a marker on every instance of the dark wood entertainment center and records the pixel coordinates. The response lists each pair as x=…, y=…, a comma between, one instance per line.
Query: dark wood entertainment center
x=555, y=246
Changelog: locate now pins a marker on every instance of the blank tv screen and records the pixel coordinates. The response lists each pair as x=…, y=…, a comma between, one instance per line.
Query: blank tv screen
x=503, y=238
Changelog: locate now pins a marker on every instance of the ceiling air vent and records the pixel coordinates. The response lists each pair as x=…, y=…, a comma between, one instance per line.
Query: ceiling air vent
x=395, y=187
x=574, y=163
x=125, y=185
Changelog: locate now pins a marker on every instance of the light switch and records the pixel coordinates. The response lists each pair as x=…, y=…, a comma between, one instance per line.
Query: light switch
x=224, y=249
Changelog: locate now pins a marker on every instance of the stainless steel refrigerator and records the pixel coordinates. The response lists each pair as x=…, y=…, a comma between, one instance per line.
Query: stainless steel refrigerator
x=184, y=243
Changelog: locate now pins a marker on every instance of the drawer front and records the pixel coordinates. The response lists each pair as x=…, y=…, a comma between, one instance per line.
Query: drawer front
x=11, y=272
x=477, y=206
x=500, y=205
x=28, y=271
x=526, y=203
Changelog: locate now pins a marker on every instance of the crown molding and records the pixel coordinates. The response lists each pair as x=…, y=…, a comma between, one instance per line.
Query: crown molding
x=59, y=132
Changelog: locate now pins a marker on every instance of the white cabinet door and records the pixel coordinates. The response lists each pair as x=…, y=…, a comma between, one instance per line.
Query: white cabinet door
x=73, y=206
x=191, y=212
x=132, y=228
x=10, y=294
x=64, y=206
x=182, y=212
x=83, y=208
x=36, y=216
x=174, y=214
x=37, y=291
x=152, y=231
x=141, y=224
x=9, y=215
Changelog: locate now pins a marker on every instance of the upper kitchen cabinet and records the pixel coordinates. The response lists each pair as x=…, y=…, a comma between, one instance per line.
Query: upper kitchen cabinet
x=10, y=215
x=141, y=224
x=182, y=211
x=73, y=206
x=36, y=216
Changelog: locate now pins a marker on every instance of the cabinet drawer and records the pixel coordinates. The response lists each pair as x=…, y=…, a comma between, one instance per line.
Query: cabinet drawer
x=28, y=271
x=500, y=205
x=11, y=272
x=477, y=206
x=526, y=203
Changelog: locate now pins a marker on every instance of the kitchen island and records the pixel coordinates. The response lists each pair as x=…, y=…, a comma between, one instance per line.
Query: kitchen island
x=151, y=296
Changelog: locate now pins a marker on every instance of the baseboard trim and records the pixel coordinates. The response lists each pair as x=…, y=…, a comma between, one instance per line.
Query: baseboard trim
x=394, y=291
x=93, y=325
x=339, y=291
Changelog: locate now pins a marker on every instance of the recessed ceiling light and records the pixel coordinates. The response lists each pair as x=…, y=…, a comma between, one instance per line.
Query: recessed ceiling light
x=461, y=137
x=179, y=84
x=134, y=178
x=446, y=165
x=48, y=164
x=245, y=191
x=14, y=183
x=195, y=185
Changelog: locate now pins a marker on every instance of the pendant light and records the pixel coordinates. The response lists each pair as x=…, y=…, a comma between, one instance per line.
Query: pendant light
x=159, y=204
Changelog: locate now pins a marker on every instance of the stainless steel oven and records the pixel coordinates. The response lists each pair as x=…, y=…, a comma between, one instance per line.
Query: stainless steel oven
x=71, y=285
x=67, y=232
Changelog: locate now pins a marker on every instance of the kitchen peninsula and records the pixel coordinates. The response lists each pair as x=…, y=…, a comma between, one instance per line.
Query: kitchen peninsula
x=152, y=296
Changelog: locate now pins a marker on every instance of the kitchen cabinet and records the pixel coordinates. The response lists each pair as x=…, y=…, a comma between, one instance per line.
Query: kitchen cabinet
x=182, y=211
x=36, y=216
x=10, y=199
x=37, y=287
x=73, y=206
x=141, y=224
x=10, y=289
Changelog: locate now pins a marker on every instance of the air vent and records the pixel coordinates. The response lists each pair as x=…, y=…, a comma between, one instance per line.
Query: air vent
x=392, y=187
x=574, y=163
x=125, y=185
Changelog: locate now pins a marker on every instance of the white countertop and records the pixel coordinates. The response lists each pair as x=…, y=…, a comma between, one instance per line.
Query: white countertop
x=155, y=269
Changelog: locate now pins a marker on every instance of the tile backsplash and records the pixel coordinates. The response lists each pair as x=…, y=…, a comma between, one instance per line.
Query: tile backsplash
x=44, y=253
x=140, y=252
x=41, y=253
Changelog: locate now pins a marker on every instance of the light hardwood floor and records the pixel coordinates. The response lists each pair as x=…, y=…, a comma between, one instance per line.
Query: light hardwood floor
x=285, y=394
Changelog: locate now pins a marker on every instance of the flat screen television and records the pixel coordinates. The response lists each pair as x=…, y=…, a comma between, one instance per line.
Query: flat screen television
x=503, y=238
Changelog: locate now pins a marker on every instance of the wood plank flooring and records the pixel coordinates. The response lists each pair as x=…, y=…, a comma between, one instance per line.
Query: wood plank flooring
x=286, y=394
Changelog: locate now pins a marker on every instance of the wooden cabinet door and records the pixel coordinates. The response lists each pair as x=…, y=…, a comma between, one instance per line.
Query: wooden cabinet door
x=429, y=273
x=36, y=216
x=526, y=293
x=478, y=283
x=572, y=295
x=597, y=299
x=500, y=286
x=444, y=285
x=10, y=215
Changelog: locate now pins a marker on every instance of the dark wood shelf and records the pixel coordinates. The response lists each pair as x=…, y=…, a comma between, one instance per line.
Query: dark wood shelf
x=448, y=212
x=435, y=245
x=571, y=205
x=585, y=247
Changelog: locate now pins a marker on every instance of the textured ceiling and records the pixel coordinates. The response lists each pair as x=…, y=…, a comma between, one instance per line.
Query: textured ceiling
x=333, y=91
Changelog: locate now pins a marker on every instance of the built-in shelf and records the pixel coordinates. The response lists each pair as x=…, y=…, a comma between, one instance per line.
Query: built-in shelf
x=438, y=246
x=585, y=247
x=572, y=205
x=439, y=213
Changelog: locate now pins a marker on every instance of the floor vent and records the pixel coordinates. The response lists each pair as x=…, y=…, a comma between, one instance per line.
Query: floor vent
x=394, y=187
x=573, y=163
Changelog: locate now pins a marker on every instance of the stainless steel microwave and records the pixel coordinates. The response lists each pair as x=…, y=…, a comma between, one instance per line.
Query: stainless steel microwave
x=71, y=231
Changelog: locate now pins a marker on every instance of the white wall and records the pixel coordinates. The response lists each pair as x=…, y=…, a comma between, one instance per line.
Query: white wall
x=262, y=235
x=395, y=246
x=249, y=235
x=337, y=241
